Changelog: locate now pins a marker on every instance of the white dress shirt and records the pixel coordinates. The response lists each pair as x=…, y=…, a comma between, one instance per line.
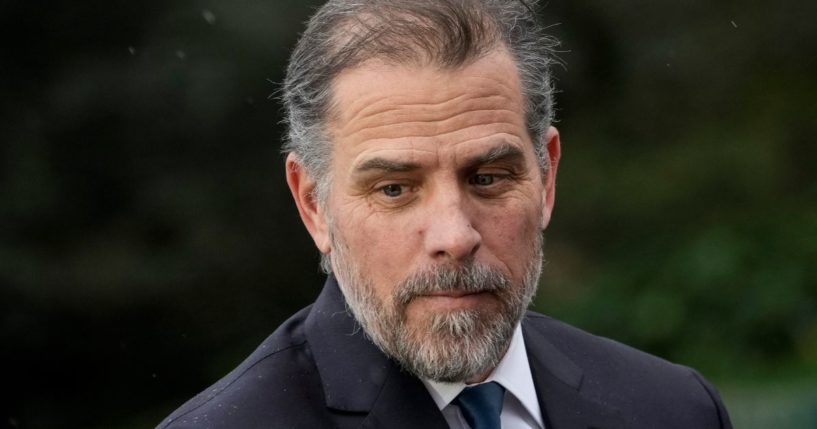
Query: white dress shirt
x=521, y=407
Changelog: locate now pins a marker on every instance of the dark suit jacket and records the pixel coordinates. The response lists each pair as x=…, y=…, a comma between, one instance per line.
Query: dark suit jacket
x=318, y=370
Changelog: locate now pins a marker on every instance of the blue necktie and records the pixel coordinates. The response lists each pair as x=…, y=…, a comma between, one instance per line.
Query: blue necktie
x=481, y=405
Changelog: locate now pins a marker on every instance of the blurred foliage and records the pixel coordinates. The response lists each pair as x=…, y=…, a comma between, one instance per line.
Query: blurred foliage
x=687, y=216
x=149, y=241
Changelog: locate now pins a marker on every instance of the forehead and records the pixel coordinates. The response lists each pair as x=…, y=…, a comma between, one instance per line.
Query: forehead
x=387, y=103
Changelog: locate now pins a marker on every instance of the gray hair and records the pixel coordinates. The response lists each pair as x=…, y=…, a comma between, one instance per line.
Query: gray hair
x=448, y=33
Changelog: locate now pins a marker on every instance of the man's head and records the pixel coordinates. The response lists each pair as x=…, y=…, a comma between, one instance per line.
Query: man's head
x=423, y=163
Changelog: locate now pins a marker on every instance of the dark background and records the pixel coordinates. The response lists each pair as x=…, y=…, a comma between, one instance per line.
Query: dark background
x=148, y=241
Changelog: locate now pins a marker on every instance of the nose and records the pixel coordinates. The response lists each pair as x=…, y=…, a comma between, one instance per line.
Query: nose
x=450, y=235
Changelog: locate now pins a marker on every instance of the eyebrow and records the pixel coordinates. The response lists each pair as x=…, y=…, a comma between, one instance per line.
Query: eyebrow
x=387, y=165
x=503, y=152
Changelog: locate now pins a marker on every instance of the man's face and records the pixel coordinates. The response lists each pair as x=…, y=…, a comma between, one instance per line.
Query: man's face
x=435, y=210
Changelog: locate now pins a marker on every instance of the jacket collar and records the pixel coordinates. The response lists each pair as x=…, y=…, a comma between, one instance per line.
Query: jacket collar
x=558, y=384
x=357, y=377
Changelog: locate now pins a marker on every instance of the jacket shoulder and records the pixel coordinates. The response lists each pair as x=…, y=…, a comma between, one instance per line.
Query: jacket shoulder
x=277, y=382
x=644, y=387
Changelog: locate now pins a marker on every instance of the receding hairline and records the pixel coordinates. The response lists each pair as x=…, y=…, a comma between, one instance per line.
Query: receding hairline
x=334, y=106
x=404, y=32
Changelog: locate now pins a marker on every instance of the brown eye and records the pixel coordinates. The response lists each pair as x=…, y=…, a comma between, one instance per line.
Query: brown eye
x=482, y=179
x=392, y=190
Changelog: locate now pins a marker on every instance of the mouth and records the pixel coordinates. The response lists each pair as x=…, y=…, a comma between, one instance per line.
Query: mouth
x=451, y=300
x=450, y=294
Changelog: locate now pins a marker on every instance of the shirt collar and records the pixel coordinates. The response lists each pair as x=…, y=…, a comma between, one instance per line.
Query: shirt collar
x=513, y=373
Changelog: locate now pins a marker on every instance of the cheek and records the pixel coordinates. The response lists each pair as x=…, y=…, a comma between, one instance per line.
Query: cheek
x=511, y=222
x=507, y=235
x=379, y=249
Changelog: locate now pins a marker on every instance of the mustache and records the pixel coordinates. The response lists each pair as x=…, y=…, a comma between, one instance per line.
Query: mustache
x=472, y=278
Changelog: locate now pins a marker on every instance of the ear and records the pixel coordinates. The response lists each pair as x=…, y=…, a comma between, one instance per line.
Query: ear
x=554, y=153
x=312, y=213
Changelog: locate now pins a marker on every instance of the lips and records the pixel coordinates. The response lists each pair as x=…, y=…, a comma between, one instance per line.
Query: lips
x=451, y=294
x=458, y=297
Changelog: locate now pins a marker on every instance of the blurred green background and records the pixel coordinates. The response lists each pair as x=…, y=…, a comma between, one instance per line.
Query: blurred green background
x=148, y=241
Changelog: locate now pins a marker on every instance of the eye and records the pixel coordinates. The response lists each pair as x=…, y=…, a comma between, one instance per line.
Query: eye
x=482, y=179
x=392, y=190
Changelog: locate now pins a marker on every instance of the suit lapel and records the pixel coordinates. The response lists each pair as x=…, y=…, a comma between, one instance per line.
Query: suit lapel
x=558, y=384
x=357, y=378
x=404, y=403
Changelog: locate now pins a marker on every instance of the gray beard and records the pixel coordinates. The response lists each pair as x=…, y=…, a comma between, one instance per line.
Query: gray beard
x=452, y=346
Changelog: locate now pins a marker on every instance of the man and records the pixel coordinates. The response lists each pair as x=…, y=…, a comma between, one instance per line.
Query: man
x=423, y=164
